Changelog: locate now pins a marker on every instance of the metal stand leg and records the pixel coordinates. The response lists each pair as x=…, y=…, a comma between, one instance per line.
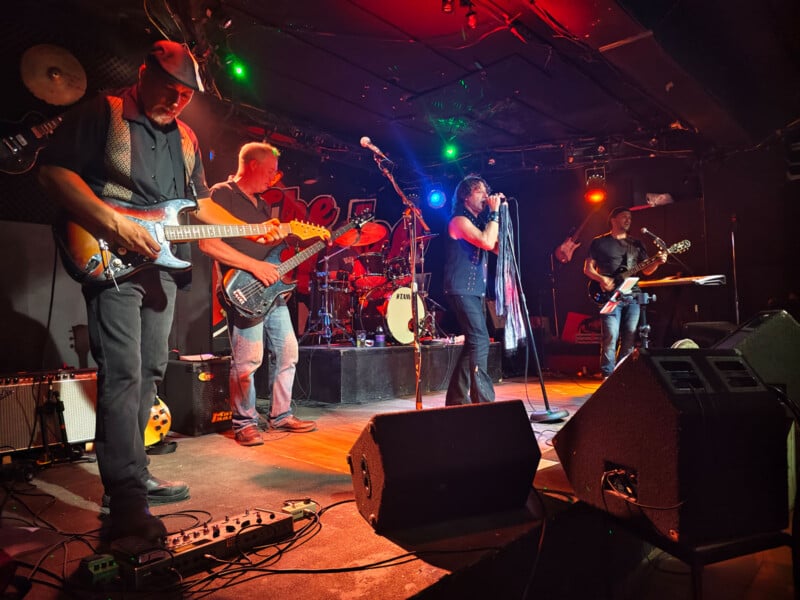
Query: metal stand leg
x=325, y=326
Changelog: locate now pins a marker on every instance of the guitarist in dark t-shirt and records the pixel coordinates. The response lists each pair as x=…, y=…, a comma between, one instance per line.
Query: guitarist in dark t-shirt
x=610, y=254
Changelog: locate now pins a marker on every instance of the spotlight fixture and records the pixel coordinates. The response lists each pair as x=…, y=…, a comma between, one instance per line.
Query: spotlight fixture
x=448, y=6
x=436, y=197
x=595, y=192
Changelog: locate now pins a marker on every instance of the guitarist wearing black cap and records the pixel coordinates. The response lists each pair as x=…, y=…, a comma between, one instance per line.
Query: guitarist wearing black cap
x=118, y=154
x=609, y=254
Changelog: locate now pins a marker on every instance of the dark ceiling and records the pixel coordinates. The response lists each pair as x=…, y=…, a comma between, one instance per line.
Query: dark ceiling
x=533, y=84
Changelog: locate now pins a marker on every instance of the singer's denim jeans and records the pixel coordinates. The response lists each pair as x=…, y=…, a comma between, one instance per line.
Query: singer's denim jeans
x=470, y=380
x=247, y=347
x=618, y=326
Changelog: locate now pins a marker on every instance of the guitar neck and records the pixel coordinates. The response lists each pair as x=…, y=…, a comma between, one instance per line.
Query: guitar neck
x=290, y=264
x=189, y=233
x=639, y=267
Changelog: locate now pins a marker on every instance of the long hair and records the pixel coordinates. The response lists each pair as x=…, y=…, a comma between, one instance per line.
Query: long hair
x=465, y=187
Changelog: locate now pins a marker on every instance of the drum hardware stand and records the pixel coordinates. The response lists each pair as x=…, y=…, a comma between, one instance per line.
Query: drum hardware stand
x=413, y=215
x=325, y=325
x=431, y=326
x=53, y=406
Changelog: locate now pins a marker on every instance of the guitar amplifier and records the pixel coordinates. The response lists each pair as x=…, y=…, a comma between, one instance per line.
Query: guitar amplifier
x=22, y=393
x=196, y=393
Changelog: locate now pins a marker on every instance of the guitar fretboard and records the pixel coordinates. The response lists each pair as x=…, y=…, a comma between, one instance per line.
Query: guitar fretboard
x=307, y=253
x=187, y=233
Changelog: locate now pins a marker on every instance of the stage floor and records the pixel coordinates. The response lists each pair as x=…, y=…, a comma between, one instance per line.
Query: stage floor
x=487, y=559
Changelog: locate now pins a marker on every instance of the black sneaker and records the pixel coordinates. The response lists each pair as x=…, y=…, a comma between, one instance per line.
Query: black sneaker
x=165, y=492
x=158, y=492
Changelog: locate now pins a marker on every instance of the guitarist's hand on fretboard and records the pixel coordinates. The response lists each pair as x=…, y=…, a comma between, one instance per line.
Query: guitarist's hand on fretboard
x=273, y=235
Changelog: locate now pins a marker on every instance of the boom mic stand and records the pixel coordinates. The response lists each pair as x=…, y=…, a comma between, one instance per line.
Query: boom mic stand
x=413, y=213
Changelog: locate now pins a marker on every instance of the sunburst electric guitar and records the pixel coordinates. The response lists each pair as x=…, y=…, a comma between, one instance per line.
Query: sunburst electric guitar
x=90, y=260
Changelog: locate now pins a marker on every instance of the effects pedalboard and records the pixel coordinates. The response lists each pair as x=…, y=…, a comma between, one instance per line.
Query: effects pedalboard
x=195, y=549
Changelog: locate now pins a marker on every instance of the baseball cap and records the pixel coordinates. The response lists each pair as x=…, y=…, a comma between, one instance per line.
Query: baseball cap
x=618, y=209
x=176, y=61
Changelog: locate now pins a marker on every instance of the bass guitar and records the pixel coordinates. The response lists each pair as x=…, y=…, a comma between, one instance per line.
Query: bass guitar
x=597, y=294
x=90, y=260
x=18, y=152
x=251, y=298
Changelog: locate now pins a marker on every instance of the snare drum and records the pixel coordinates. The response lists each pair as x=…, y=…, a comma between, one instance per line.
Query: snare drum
x=369, y=273
x=392, y=312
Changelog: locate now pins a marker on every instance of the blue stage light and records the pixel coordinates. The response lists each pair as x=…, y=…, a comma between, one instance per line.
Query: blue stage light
x=436, y=198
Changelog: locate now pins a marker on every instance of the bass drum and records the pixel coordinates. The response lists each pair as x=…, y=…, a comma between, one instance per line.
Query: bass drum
x=392, y=312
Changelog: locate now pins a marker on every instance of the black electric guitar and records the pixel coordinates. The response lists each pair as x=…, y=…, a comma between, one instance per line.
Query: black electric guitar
x=597, y=294
x=90, y=261
x=18, y=151
x=251, y=298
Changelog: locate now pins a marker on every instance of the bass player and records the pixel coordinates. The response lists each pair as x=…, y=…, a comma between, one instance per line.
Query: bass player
x=241, y=196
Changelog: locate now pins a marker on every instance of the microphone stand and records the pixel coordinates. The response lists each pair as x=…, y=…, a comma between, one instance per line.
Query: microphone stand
x=413, y=213
x=548, y=415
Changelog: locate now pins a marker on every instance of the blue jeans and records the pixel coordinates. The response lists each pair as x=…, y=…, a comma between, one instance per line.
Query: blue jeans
x=620, y=325
x=470, y=380
x=247, y=346
x=129, y=338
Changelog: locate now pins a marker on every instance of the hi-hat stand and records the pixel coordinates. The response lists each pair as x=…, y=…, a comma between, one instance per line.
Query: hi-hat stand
x=325, y=325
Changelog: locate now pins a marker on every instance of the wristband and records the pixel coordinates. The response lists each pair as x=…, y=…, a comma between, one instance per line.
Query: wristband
x=494, y=216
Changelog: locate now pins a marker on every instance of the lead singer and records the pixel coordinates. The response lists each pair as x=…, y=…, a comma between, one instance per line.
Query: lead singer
x=472, y=232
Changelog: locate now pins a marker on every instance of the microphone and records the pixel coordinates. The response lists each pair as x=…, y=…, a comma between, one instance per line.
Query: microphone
x=367, y=143
x=658, y=241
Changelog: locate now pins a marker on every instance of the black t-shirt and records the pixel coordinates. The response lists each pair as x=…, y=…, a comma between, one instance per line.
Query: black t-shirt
x=230, y=197
x=611, y=253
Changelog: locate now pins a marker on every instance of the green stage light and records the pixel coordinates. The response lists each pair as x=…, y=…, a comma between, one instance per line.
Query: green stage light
x=450, y=152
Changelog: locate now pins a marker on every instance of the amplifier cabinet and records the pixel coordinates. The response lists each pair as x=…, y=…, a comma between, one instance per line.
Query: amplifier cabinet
x=196, y=392
x=22, y=393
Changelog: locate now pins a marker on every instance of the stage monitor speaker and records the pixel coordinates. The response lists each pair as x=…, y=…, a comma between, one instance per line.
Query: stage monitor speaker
x=21, y=394
x=770, y=342
x=436, y=465
x=689, y=444
x=196, y=393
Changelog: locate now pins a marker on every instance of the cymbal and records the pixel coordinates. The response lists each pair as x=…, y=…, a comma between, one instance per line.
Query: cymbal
x=52, y=74
x=368, y=234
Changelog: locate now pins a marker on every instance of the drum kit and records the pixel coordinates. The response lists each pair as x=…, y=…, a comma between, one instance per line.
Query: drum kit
x=363, y=293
